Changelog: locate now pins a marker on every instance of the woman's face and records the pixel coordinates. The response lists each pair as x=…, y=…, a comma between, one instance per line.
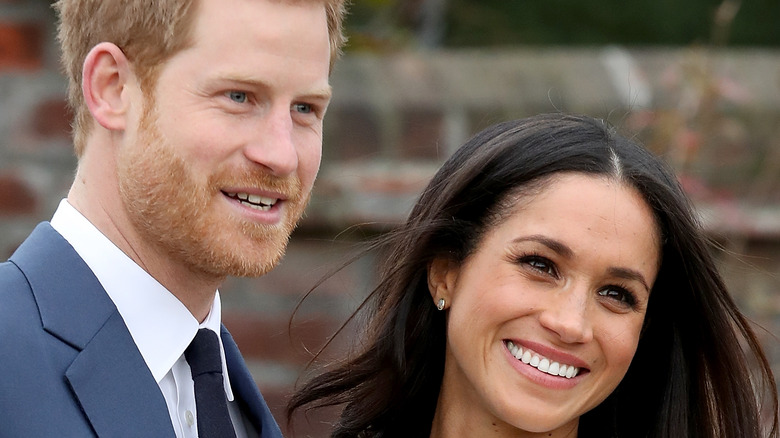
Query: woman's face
x=544, y=317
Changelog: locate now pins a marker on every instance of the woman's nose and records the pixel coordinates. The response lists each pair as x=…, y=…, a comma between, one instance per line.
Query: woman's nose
x=567, y=315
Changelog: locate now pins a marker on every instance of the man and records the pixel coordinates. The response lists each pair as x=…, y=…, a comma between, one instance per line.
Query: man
x=198, y=128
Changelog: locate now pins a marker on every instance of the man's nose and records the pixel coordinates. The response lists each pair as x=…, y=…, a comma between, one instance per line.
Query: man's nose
x=273, y=144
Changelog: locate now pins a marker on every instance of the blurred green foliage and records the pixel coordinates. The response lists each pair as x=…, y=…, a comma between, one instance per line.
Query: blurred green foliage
x=468, y=23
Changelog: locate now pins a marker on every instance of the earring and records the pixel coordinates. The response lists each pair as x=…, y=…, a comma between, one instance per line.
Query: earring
x=440, y=304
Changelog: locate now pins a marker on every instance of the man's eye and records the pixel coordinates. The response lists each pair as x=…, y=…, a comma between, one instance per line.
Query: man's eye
x=237, y=96
x=303, y=108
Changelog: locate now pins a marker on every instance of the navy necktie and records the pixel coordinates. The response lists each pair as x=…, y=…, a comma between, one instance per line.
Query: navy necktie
x=203, y=356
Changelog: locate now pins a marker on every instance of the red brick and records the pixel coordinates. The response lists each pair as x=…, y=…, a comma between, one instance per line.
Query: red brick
x=270, y=339
x=52, y=119
x=16, y=197
x=307, y=260
x=423, y=131
x=355, y=135
x=21, y=46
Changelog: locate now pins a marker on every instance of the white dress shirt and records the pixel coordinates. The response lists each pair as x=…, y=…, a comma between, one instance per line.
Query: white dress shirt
x=159, y=323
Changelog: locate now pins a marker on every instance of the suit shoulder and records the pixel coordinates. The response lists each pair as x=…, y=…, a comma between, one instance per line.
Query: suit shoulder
x=12, y=283
x=17, y=304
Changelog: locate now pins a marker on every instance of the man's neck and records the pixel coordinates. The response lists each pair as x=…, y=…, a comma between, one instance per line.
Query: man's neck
x=195, y=290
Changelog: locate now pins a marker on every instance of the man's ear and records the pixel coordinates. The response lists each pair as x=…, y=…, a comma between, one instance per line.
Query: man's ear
x=442, y=277
x=104, y=81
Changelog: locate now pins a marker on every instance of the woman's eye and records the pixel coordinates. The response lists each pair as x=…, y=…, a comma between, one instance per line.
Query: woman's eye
x=237, y=96
x=618, y=294
x=539, y=264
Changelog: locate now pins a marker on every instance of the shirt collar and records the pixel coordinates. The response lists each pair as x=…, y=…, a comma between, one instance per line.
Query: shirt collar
x=161, y=326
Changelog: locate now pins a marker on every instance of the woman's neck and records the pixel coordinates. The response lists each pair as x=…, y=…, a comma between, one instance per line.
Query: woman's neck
x=454, y=420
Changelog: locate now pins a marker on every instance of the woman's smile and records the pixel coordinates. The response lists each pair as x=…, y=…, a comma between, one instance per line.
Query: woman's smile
x=541, y=363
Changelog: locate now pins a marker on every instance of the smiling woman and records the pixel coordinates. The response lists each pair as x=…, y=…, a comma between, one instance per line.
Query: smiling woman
x=551, y=279
x=545, y=283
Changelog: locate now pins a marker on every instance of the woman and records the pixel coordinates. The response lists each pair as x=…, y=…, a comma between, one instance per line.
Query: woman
x=552, y=279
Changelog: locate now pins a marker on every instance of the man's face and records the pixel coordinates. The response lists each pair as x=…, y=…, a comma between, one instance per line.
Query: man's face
x=227, y=149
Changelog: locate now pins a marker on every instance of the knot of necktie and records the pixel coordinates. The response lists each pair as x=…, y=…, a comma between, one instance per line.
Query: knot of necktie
x=203, y=354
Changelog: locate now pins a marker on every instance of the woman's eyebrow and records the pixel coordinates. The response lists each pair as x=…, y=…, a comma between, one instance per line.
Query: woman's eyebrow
x=629, y=274
x=555, y=245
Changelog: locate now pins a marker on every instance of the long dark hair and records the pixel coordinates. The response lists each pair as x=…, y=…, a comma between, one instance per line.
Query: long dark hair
x=699, y=370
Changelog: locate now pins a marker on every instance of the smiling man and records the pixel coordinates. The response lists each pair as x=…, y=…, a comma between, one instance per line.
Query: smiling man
x=198, y=130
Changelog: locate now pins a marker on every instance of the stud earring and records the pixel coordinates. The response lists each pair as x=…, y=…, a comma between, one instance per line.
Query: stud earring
x=440, y=304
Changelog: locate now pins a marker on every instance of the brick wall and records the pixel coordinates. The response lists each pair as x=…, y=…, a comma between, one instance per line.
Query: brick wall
x=392, y=122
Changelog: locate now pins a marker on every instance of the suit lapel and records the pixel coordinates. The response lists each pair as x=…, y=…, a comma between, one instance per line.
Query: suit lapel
x=246, y=392
x=115, y=388
x=108, y=376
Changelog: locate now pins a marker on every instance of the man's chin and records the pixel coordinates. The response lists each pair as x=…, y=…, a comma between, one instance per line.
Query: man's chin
x=244, y=264
x=252, y=270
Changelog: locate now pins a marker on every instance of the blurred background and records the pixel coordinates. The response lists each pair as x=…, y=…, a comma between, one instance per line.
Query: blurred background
x=698, y=82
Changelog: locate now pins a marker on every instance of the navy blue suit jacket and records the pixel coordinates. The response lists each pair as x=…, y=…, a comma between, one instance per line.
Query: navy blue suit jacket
x=68, y=365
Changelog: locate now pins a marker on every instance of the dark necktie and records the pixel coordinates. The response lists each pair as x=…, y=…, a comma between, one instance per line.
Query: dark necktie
x=210, y=400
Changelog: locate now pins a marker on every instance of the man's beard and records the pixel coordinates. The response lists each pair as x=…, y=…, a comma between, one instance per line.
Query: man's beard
x=184, y=217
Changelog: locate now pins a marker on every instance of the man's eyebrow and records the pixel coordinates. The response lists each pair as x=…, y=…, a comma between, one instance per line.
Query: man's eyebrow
x=321, y=93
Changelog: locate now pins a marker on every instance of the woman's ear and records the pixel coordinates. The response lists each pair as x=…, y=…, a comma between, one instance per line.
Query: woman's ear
x=442, y=278
x=105, y=77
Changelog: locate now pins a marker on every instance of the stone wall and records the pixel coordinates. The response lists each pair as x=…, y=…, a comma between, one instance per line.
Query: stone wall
x=394, y=119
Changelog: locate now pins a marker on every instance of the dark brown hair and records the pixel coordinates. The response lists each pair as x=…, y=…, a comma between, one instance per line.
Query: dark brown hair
x=691, y=375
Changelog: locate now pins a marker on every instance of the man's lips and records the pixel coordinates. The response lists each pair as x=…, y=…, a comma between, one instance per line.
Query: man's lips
x=257, y=202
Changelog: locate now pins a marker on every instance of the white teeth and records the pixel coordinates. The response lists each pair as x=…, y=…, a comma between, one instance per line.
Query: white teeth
x=541, y=363
x=254, y=201
x=256, y=207
x=514, y=349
